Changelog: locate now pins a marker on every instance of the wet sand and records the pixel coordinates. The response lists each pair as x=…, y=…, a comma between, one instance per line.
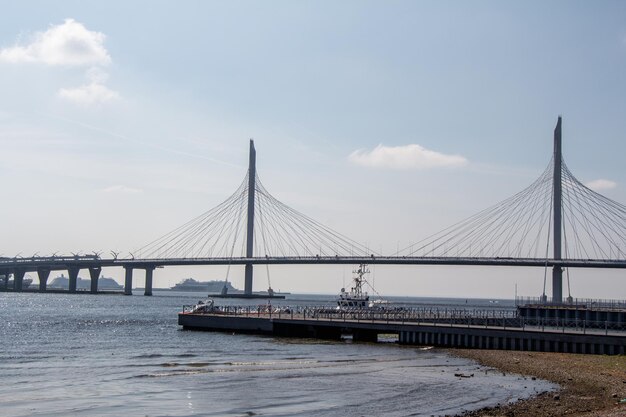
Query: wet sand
x=591, y=385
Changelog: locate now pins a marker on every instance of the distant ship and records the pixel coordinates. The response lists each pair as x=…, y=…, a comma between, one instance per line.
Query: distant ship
x=25, y=283
x=215, y=286
x=104, y=284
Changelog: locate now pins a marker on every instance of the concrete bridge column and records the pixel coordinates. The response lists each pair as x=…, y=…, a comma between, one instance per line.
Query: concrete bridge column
x=94, y=274
x=43, y=274
x=72, y=271
x=5, y=279
x=557, y=285
x=18, y=279
x=128, y=280
x=250, y=227
x=148, y=286
x=557, y=271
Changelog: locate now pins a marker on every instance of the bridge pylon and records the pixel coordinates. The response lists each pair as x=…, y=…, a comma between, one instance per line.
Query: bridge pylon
x=249, y=271
x=557, y=208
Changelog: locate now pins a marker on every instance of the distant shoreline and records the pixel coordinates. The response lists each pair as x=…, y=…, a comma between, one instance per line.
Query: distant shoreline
x=591, y=385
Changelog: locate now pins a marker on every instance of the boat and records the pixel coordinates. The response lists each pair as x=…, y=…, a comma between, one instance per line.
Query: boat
x=219, y=287
x=203, y=306
x=356, y=298
x=273, y=293
x=104, y=284
x=379, y=303
x=25, y=283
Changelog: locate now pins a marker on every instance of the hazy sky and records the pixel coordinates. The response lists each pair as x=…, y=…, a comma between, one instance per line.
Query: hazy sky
x=385, y=120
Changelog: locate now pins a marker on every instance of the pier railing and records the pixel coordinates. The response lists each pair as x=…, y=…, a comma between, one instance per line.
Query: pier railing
x=391, y=313
x=425, y=316
x=588, y=303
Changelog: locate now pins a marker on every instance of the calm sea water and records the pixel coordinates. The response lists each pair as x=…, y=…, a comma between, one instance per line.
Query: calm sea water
x=110, y=355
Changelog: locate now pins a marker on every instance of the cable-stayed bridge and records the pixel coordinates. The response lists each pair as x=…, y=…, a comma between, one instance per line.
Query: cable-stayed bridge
x=556, y=222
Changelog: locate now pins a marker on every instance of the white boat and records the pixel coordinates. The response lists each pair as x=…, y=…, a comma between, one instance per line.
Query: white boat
x=104, y=283
x=213, y=287
x=204, y=306
x=357, y=298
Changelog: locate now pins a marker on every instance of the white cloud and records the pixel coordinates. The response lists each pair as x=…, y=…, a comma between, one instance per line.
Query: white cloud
x=97, y=75
x=122, y=189
x=68, y=44
x=92, y=93
x=601, y=184
x=405, y=157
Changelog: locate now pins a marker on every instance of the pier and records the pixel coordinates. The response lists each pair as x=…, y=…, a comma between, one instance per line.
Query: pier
x=502, y=330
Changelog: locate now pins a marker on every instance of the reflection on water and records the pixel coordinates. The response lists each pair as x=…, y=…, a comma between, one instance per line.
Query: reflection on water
x=86, y=355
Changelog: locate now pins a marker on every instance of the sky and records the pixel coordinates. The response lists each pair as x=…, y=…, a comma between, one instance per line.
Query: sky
x=386, y=121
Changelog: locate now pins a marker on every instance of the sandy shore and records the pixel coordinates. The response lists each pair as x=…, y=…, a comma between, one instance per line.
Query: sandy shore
x=591, y=385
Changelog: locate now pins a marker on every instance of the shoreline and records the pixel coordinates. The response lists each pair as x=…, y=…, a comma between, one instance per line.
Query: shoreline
x=590, y=385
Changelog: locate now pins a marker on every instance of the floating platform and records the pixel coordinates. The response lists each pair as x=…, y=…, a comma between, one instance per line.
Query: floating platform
x=248, y=296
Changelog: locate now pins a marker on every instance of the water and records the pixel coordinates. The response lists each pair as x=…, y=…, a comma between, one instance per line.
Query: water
x=85, y=355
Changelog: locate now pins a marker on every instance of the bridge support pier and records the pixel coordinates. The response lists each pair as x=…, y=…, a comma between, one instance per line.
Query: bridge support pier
x=43, y=274
x=128, y=280
x=5, y=279
x=72, y=272
x=247, y=289
x=557, y=284
x=18, y=279
x=94, y=274
x=148, y=286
